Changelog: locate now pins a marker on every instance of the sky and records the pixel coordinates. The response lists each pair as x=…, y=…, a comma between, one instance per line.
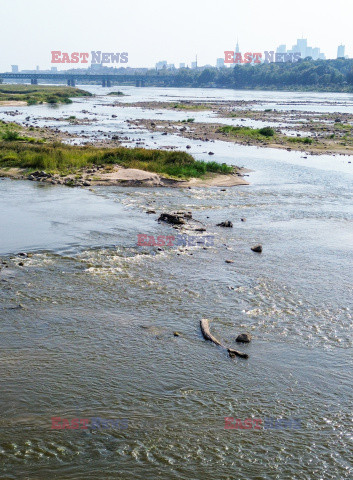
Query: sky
x=175, y=31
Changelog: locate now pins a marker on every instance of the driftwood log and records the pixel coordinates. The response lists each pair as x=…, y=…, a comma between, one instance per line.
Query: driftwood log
x=205, y=329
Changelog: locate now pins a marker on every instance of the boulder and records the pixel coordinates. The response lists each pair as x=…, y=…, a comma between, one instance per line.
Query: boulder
x=226, y=224
x=243, y=338
x=257, y=248
x=174, y=219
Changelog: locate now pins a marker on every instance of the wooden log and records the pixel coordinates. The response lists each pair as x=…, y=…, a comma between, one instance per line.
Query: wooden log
x=205, y=329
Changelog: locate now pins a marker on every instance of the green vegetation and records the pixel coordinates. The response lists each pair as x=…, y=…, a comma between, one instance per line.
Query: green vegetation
x=258, y=133
x=10, y=133
x=304, y=75
x=305, y=140
x=186, y=106
x=33, y=94
x=117, y=94
x=65, y=159
x=267, y=131
x=188, y=120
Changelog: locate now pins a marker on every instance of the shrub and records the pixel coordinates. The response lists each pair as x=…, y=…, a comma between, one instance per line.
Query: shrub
x=267, y=131
x=10, y=136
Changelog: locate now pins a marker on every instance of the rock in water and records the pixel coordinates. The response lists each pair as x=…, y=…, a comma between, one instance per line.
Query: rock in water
x=226, y=224
x=243, y=338
x=257, y=248
x=171, y=218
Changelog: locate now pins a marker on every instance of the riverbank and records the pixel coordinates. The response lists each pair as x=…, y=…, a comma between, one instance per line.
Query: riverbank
x=116, y=175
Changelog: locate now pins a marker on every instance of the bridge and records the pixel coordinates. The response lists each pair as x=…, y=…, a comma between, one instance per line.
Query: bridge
x=105, y=79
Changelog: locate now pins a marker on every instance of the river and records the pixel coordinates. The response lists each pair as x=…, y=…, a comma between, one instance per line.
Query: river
x=88, y=319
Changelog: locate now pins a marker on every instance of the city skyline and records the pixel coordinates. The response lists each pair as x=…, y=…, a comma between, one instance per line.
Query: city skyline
x=206, y=30
x=301, y=46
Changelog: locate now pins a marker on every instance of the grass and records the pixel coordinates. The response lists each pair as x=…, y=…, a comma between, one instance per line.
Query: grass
x=256, y=133
x=33, y=94
x=186, y=106
x=305, y=140
x=66, y=159
x=9, y=132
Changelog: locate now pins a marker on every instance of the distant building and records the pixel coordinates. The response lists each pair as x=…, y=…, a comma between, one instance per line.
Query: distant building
x=220, y=63
x=181, y=65
x=306, y=51
x=14, y=68
x=301, y=46
x=54, y=69
x=193, y=65
x=37, y=68
x=161, y=65
x=340, y=51
x=281, y=49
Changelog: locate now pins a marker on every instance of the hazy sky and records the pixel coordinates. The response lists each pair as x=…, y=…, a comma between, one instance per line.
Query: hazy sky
x=152, y=30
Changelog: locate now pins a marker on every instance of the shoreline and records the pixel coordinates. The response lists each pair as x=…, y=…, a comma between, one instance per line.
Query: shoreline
x=125, y=177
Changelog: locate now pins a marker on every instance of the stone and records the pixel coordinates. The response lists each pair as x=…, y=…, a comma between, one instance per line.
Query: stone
x=243, y=338
x=257, y=248
x=171, y=218
x=226, y=224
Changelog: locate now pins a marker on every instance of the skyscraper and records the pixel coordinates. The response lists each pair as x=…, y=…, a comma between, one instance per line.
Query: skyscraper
x=340, y=51
x=301, y=46
x=237, y=50
x=306, y=51
x=281, y=49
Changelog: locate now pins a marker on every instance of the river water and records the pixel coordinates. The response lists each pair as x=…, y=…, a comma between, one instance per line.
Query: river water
x=87, y=321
